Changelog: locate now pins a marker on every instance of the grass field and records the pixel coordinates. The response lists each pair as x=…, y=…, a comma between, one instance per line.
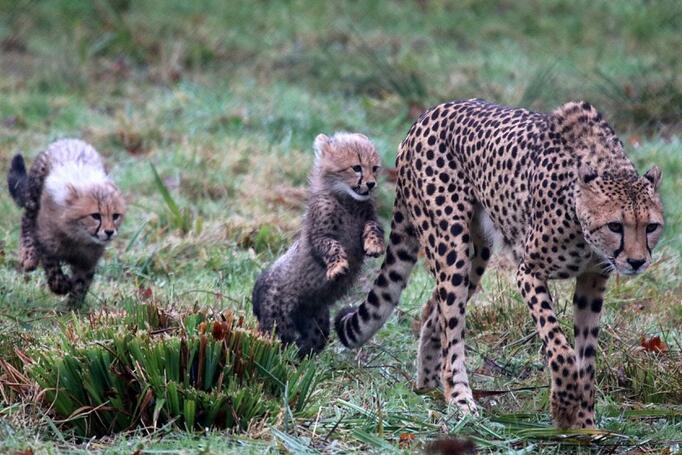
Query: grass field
x=224, y=100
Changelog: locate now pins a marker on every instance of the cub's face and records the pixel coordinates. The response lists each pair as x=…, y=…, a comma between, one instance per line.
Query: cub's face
x=621, y=219
x=94, y=215
x=348, y=163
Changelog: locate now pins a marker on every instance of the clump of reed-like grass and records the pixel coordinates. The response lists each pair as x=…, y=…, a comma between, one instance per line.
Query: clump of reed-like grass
x=146, y=367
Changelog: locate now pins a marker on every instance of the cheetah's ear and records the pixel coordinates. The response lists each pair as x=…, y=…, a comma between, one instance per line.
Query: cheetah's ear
x=586, y=173
x=653, y=175
x=321, y=144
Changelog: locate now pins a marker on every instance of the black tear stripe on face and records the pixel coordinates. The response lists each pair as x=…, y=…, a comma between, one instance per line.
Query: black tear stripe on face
x=99, y=223
x=646, y=239
x=359, y=161
x=622, y=238
x=622, y=245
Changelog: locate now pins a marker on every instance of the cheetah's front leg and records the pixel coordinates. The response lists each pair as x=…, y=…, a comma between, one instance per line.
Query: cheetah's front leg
x=80, y=284
x=450, y=264
x=57, y=281
x=565, y=396
x=587, y=301
x=373, y=239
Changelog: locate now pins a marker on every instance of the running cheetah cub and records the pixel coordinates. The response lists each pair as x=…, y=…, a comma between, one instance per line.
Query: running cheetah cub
x=339, y=229
x=72, y=210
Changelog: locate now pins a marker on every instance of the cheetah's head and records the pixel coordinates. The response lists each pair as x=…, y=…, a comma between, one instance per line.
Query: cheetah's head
x=621, y=216
x=346, y=163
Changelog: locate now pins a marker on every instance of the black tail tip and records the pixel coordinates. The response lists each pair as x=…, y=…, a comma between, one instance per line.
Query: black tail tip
x=16, y=180
x=18, y=165
x=339, y=324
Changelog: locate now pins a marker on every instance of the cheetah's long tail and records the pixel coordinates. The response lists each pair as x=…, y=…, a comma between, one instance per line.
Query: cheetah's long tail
x=355, y=326
x=17, y=180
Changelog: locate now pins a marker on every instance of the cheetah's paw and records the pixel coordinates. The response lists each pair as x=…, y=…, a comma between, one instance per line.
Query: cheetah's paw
x=337, y=269
x=374, y=246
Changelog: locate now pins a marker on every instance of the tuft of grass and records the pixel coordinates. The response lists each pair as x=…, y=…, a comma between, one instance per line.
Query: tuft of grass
x=147, y=367
x=180, y=219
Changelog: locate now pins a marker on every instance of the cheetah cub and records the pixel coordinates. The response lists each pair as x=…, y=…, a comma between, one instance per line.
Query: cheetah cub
x=293, y=296
x=72, y=210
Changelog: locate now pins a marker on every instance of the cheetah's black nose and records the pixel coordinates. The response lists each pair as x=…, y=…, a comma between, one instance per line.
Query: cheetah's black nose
x=109, y=232
x=636, y=263
x=370, y=185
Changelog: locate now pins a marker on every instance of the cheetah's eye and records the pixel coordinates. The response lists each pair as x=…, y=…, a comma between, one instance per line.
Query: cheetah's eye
x=116, y=216
x=375, y=169
x=357, y=168
x=96, y=216
x=651, y=227
x=615, y=227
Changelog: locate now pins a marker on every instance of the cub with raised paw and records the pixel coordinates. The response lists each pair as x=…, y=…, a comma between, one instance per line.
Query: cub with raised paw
x=72, y=210
x=339, y=229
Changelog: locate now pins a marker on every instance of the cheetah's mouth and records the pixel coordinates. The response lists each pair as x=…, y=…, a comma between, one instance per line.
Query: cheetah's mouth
x=96, y=239
x=352, y=191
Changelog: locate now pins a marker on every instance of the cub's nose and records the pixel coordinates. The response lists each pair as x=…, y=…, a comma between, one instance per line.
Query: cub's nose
x=371, y=185
x=109, y=233
x=636, y=263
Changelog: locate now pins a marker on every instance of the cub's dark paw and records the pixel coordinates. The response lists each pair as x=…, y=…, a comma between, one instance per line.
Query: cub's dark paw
x=337, y=269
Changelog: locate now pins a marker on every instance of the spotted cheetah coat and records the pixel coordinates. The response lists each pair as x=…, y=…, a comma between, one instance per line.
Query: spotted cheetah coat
x=472, y=170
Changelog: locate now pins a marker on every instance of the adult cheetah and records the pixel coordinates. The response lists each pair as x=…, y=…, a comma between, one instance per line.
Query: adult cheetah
x=556, y=189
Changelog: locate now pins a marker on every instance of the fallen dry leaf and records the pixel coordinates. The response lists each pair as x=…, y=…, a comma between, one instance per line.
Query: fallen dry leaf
x=145, y=293
x=653, y=344
x=405, y=440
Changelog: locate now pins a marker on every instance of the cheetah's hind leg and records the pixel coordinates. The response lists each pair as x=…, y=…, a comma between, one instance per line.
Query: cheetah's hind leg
x=28, y=251
x=429, y=356
x=313, y=326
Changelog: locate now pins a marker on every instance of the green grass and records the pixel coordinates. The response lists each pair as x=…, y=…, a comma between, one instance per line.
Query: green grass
x=221, y=101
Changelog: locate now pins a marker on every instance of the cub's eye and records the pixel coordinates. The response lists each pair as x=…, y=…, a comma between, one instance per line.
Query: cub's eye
x=615, y=227
x=375, y=168
x=651, y=227
x=116, y=216
x=357, y=168
x=96, y=216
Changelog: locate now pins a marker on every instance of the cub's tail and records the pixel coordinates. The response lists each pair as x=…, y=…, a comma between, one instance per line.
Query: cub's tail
x=17, y=180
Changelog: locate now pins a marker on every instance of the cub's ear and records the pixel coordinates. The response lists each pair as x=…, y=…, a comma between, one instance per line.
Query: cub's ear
x=321, y=144
x=653, y=175
x=586, y=174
